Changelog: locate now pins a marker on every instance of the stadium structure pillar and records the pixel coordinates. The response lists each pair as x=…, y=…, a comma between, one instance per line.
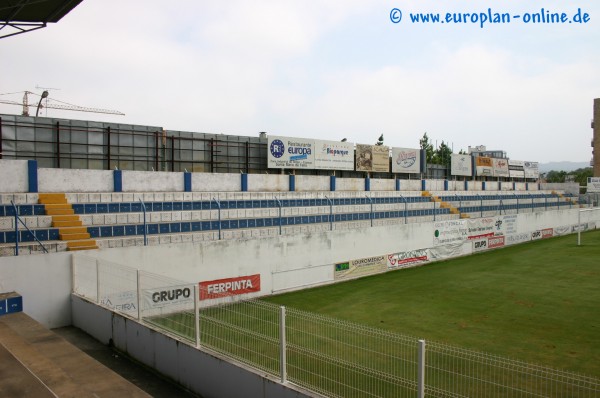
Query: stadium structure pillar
x=244, y=178
x=118, y=180
x=32, y=174
x=423, y=185
x=332, y=183
x=187, y=181
x=445, y=185
x=292, y=183
x=483, y=185
x=367, y=184
x=397, y=184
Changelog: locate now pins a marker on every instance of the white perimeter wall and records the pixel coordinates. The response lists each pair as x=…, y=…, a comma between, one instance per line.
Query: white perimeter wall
x=152, y=181
x=292, y=262
x=78, y=181
x=268, y=182
x=14, y=176
x=75, y=180
x=216, y=182
x=44, y=281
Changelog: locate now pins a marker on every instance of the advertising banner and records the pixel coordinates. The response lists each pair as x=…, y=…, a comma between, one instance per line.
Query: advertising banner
x=121, y=301
x=563, y=230
x=531, y=170
x=290, y=153
x=500, y=167
x=449, y=251
x=547, y=233
x=593, y=184
x=535, y=235
x=334, y=155
x=372, y=158
x=484, y=227
x=516, y=173
x=495, y=242
x=509, y=224
x=517, y=238
x=450, y=231
x=405, y=160
x=479, y=244
x=407, y=259
x=229, y=287
x=362, y=267
x=484, y=166
x=460, y=165
x=167, y=296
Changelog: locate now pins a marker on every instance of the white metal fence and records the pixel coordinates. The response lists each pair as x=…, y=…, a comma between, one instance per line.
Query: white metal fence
x=330, y=357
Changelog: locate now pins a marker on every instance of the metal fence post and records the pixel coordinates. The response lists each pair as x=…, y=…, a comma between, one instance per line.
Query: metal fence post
x=16, y=230
x=145, y=225
x=197, y=314
x=282, y=345
x=98, y=281
x=279, y=205
x=330, y=213
x=421, y=370
x=139, y=295
x=219, y=213
x=371, y=213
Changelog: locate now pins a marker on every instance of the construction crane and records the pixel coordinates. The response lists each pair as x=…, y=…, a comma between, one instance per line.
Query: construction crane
x=62, y=106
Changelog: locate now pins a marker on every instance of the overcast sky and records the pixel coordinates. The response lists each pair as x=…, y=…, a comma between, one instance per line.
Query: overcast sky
x=323, y=69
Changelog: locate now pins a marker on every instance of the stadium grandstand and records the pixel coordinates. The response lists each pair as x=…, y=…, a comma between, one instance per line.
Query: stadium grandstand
x=154, y=230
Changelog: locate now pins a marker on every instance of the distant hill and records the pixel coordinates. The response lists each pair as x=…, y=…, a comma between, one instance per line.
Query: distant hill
x=562, y=166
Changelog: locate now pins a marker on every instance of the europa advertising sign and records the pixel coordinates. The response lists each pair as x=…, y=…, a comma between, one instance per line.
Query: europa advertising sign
x=407, y=259
x=361, y=267
x=405, y=160
x=334, y=155
x=484, y=166
x=229, y=287
x=290, y=153
x=372, y=158
x=167, y=296
x=531, y=169
x=500, y=167
x=460, y=165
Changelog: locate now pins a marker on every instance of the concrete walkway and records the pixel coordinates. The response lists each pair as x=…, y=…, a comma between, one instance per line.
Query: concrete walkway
x=36, y=362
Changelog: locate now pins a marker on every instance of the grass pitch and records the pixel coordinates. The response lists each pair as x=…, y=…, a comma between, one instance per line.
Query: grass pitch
x=537, y=302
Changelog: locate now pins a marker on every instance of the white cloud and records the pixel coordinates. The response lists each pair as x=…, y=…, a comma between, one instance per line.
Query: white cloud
x=327, y=70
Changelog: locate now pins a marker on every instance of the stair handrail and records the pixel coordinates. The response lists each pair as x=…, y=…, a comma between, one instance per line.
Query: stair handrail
x=17, y=219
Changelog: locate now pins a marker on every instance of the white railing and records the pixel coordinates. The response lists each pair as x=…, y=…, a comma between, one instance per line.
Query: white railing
x=331, y=357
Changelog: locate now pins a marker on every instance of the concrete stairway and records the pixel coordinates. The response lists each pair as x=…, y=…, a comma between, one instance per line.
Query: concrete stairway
x=70, y=227
x=444, y=205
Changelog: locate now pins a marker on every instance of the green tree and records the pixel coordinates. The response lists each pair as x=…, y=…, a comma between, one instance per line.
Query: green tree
x=581, y=175
x=556, y=176
x=442, y=155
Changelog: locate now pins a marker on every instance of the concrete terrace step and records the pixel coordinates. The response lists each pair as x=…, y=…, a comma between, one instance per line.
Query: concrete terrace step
x=59, y=212
x=52, y=198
